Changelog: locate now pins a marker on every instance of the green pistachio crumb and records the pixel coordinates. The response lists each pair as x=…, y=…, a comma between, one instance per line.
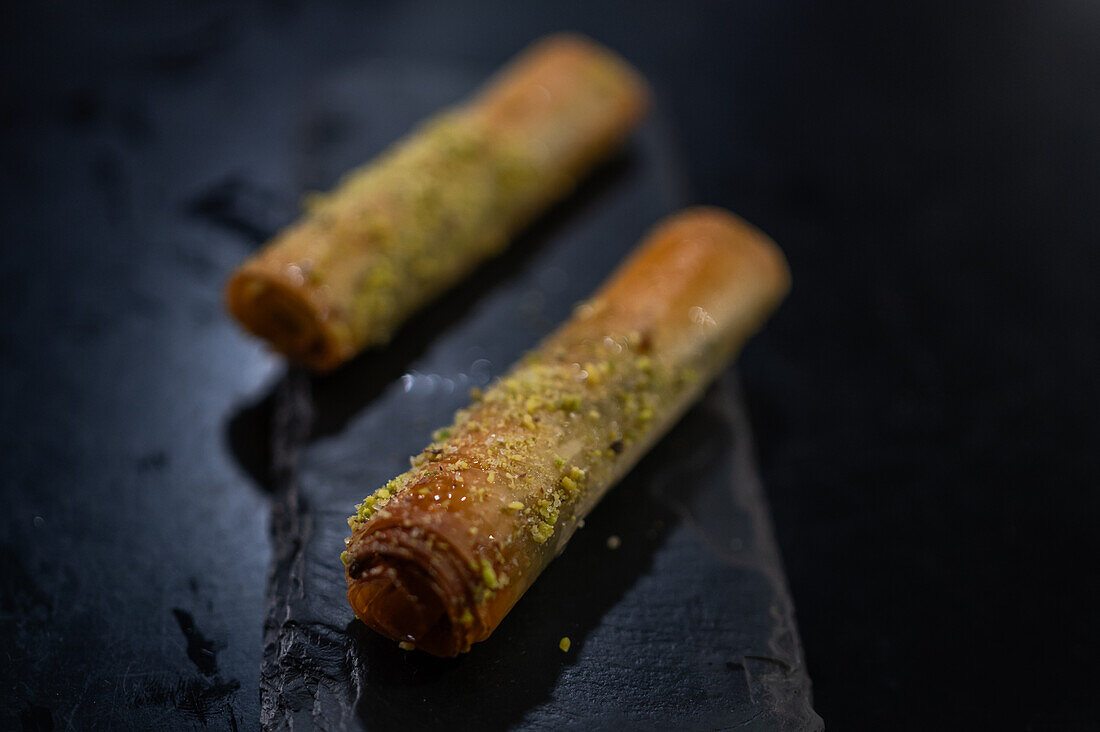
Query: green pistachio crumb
x=570, y=403
x=488, y=575
x=541, y=532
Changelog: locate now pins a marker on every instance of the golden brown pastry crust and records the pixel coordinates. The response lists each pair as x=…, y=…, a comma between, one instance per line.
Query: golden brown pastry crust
x=399, y=231
x=440, y=554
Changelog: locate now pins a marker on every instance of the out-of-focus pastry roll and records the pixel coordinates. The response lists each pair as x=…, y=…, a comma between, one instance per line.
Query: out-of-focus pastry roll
x=397, y=232
x=439, y=555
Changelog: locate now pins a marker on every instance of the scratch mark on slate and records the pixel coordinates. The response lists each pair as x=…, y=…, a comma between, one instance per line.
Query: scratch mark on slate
x=201, y=651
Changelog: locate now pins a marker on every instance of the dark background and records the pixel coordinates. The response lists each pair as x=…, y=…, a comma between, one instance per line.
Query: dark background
x=925, y=402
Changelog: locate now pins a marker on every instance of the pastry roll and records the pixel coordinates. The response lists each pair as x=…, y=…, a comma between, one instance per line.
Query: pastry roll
x=439, y=555
x=397, y=232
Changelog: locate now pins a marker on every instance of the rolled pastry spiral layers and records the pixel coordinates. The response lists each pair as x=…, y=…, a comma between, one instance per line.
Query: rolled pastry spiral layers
x=399, y=231
x=439, y=555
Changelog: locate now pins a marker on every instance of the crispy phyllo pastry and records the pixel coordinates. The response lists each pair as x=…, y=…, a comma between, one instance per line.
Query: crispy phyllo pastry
x=439, y=554
x=399, y=231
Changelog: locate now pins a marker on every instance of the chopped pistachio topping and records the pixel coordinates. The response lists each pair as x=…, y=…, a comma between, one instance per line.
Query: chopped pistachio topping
x=570, y=402
x=546, y=434
x=413, y=220
x=541, y=531
x=488, y=574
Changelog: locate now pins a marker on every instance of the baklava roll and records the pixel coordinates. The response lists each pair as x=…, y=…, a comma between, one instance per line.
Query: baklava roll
x=397, y=232
x=439, y=555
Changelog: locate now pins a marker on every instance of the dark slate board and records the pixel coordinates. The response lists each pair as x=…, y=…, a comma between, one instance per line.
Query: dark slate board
x=689, y=624
x=133, y=549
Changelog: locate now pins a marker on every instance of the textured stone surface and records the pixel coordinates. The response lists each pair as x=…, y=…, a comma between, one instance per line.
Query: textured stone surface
x=924, y=404
x=148, y=444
